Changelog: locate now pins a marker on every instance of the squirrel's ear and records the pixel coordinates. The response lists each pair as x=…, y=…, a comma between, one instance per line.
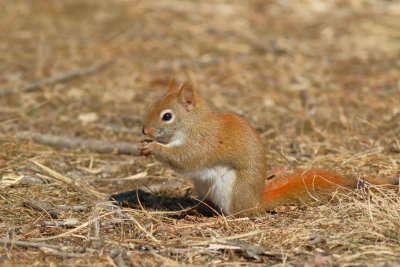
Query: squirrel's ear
x=171, y=85
x=187, y=96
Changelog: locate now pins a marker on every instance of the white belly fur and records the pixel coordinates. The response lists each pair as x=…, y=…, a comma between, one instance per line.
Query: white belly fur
x=214, y=184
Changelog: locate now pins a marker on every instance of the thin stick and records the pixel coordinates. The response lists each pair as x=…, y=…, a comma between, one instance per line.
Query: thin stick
x=51, y=210
x=95, y=145
x=77, y=229
x=54, y=252
x=73, y=208
x=29, y=244
x=53, y=174
x=55, y=79
x=191, y=225
x=144, y=230
x=61, y=178
x=67, y=222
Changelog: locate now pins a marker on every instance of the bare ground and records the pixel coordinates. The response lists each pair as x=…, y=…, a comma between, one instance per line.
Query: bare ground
x=319, y=80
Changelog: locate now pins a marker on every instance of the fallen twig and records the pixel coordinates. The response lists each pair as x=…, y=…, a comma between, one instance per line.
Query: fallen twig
x=147, y=233
x=52, y=210
x=55, y=79
x=61, y=178
x=95, y=145
x=207, y=241
x=249, y=250
x=67, y=222
x=73, y=208
x=27, y=244
x=61, y=253
x=77, y=229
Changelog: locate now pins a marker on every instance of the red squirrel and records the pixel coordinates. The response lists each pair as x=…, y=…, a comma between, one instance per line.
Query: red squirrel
x=224, y=157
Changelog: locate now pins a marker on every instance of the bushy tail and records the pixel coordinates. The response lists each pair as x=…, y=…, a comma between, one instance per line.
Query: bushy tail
x=305, y=186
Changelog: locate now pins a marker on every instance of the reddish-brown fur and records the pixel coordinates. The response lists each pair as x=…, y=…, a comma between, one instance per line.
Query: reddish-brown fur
x=227, y=150
x=303, y=186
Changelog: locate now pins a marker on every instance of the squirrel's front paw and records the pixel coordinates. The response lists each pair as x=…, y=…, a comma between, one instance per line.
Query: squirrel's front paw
x=145, y=148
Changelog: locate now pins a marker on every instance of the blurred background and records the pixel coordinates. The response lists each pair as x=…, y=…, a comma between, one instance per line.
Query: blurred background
x=303, y=72
x=318, y=79
x=246, y=56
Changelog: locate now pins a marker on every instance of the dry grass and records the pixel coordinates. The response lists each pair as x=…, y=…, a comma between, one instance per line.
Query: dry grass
x=318, y=79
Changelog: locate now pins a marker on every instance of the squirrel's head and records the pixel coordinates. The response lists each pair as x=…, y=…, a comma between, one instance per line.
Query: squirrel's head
x=171, y=117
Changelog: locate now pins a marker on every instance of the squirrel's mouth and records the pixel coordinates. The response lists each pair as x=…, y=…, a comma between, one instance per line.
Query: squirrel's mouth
x=162, y=140
x=159, y=136
x=163, y=137
x=155, y=140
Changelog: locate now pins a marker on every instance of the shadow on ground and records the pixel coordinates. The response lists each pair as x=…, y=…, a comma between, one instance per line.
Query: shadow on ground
x=151, y=201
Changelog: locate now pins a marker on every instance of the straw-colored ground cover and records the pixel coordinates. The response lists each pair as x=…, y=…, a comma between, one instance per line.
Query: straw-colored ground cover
x=318, y=79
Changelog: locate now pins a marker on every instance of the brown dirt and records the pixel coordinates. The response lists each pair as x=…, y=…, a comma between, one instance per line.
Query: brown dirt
x=320, y=81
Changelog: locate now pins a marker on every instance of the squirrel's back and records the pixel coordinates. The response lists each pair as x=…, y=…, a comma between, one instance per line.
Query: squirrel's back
x=225, y=158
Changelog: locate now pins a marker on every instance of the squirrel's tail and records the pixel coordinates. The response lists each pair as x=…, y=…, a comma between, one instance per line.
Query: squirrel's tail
x=304, y=186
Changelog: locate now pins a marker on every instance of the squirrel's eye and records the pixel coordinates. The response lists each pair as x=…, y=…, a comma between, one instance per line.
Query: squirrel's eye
x=167, y=116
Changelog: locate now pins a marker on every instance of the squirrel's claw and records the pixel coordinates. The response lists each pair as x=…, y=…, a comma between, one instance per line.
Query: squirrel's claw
x=144, y=148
